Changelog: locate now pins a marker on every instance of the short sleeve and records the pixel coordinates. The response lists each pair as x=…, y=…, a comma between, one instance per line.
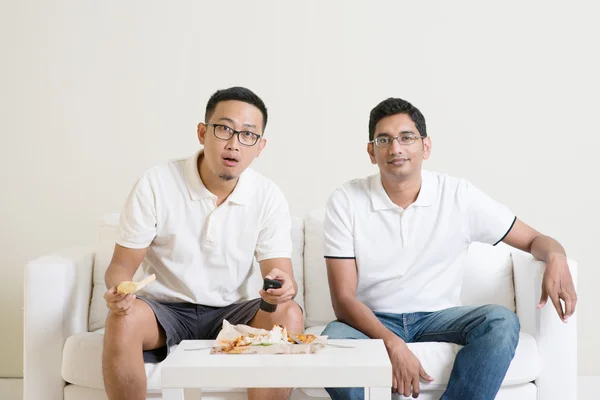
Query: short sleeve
x=137, y=227
x=488, y=221
x=337, y=227
x=274, y=238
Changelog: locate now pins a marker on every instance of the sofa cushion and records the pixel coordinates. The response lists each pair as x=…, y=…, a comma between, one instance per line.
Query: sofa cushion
x=82, y=361
x=526, y=391
x=105, y=248
x=316, y=286
x=488, y=274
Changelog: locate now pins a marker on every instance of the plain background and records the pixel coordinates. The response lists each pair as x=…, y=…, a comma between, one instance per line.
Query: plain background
x=94, y=92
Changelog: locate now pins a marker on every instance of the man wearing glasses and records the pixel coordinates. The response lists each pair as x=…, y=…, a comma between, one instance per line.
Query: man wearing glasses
x=394, y=246
x=197, y=224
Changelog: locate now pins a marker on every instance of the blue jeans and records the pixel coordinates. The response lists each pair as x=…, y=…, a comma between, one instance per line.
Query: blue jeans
x=490, y=335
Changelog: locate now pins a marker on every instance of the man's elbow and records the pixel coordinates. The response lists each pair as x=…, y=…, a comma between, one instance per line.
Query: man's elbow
x=341, y=306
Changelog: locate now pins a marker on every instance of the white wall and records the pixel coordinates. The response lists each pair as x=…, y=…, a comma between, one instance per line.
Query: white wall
x=92, y=93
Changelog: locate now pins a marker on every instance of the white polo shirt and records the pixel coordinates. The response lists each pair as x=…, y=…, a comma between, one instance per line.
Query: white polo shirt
x=199, y=252
x=411, y=260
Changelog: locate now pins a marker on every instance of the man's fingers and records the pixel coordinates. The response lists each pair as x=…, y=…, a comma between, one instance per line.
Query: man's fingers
x=557, y=305
x=573, y=303
x=543, y=297
x=416, y=388
x=568, y=304
x=112, y=295
x=277, y=292
x=285, y=286
x=394, y=384
x=276, y=273
x=425, y=375
x=126, y=302
x=400, y=385
x=277, y=296
x=269, y=298
x=406, y=390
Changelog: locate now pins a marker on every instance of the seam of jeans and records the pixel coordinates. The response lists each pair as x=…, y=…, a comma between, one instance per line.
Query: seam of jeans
x=440, y=333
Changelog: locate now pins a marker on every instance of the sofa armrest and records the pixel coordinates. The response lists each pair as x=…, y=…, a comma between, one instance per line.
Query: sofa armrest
x=57, y=297
x=557, y=341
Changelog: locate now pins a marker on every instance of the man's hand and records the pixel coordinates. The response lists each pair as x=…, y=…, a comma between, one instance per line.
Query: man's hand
x=406, y=369
x=283, y=294
x=558, y=284
x=118, y=303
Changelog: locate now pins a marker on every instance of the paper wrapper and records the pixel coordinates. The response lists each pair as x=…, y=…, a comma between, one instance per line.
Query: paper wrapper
x=231, y=332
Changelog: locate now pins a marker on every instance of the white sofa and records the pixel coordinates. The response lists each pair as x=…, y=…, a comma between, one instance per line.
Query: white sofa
x=64, y=317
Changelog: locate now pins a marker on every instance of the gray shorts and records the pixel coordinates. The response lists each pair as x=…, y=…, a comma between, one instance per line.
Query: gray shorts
x=186, y=321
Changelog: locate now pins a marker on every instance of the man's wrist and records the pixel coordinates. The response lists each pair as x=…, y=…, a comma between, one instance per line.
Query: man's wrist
x=391, y=340
x=556, y=257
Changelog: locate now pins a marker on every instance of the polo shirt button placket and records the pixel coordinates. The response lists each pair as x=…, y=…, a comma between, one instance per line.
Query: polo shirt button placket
x=405, y=223
x=209, y=234
x=402, y=238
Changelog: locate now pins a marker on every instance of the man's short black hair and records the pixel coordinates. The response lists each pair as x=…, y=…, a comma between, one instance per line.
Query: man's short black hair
x=393, y=106
x=235, y=93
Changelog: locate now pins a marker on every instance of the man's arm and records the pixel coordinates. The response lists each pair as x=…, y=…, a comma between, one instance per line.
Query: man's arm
x=122, y=267
x=279, y=269
x=557, y=282
x=343, y=278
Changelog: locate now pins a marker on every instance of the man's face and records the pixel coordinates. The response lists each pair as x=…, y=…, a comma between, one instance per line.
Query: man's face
x=397, y=160
x=227, y=159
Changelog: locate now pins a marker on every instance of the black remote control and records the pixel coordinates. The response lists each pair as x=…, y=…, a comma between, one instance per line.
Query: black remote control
x=269, y=284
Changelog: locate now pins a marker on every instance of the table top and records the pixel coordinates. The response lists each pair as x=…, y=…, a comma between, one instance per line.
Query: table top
x=365, y=365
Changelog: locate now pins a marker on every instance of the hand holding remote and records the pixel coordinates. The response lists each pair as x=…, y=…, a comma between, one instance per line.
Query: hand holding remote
x=278, y=287
x=269, y=284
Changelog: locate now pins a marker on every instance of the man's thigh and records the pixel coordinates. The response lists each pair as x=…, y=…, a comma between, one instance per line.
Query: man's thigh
x=177, y=322
x=210, y=320
x=341, y=330
x=454, y=324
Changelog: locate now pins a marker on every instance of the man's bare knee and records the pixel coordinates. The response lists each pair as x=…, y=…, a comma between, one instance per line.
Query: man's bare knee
x=138, y=327
x=290, y=314
x=292, y=311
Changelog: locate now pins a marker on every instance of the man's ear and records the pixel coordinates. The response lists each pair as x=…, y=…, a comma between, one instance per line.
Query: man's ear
x=262, y=142
x=426, y=147
x=371, y=151
x=201, y=132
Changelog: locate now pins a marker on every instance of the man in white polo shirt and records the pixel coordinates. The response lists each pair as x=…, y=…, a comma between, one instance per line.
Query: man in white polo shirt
x=394, y=246
x=197, y=224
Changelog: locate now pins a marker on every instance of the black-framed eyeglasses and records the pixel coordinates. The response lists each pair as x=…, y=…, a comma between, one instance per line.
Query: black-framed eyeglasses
x=405, y=139
x=225, y=132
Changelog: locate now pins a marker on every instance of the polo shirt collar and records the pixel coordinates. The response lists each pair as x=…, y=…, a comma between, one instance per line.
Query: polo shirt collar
x=381, y=201
x=244, y=188
x=379, y=198
x=240, y=195
x=428, y=191
x=195, y=185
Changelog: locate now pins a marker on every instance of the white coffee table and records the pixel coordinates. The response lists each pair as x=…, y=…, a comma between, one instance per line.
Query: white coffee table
x=366, y=365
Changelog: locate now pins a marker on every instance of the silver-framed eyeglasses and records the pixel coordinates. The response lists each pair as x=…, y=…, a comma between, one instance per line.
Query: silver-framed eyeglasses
x=404, y=139
x=225, y=132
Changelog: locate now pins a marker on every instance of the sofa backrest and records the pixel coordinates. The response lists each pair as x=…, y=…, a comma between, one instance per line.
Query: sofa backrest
x=488, y=277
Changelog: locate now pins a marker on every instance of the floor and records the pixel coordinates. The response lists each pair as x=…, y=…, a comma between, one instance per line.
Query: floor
x=589, y=388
